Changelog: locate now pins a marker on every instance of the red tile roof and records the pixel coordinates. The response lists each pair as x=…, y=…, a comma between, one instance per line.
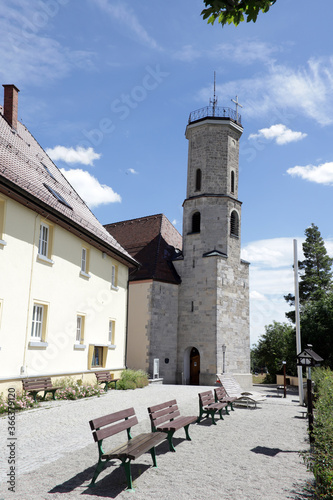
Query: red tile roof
x=23, y=176
x=154, y=242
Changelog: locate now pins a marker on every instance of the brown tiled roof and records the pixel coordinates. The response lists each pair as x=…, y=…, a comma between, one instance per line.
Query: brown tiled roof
x=29, y=175
x=154, y=242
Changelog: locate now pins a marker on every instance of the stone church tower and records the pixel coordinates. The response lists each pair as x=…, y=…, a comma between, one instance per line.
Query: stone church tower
x=213, y=304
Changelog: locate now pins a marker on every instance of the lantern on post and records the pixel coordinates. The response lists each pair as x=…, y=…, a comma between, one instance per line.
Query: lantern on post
x=309, y=359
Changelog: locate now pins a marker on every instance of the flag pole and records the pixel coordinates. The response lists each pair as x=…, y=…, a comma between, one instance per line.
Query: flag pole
x=298, y=331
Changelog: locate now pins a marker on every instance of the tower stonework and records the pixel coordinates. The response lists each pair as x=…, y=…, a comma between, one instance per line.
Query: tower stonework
x=214, y=291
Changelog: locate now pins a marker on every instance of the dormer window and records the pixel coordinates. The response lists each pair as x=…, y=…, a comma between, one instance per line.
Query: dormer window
x=58, y=196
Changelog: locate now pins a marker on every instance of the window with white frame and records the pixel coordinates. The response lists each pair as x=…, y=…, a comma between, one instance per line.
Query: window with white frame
x=85, y=262
x=79, y=329
x=37, y=322
x=114, y=277
x=2, y=222
x=111, y=335
x=43, y=245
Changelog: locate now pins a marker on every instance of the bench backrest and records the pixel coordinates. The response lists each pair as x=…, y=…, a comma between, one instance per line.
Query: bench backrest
x=29, y=384
x=164, y=412
x=103, y=376
x=104, y=427
x=206, y=398
x=220, y=393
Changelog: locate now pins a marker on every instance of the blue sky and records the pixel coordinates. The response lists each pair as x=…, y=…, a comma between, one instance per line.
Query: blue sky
x=106, y=87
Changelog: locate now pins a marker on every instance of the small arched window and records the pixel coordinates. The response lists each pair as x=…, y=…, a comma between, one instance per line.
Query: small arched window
x=234, y=224
x=232, y=188
x=196, y=222
x=198, y=180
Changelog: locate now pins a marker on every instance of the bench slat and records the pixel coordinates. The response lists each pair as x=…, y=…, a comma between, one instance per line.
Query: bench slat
x=112, y=417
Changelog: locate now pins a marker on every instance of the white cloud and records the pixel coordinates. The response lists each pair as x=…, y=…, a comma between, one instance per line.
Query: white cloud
x=187, y=53
x=280, y=133
x=280, y=92
x=246, y=53
x=89, y=189
x=132, y=171
x=71, y=155
x=321, y=174
x=122, y=13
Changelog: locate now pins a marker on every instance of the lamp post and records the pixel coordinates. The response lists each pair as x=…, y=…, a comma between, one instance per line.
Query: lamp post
x=224, y=348
x=309, y=358
x=284, y=379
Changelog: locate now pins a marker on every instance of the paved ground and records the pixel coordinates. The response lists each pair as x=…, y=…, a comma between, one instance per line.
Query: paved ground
x=251, y=454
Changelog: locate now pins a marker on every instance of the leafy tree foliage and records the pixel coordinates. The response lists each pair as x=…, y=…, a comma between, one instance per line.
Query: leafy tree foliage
x=315, y=271
x=317, y=327
x=233, y=11
x=276, y=345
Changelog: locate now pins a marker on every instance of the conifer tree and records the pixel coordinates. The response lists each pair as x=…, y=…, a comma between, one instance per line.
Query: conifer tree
x=315, y=271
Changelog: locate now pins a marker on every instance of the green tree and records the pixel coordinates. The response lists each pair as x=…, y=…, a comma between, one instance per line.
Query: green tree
x=315, y=271
x=276, y=345
x=317, y=327
x=233, y=11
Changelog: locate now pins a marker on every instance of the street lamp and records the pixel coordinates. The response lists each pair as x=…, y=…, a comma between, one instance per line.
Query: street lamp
x=224, y=348
x=309, y=358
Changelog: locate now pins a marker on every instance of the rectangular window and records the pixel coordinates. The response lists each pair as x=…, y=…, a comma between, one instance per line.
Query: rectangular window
x=2, y=222
x=43, y=245
x=85, y=262
x=45, y=242
x=97, y=355
x=37, y=322
x=111, y=337
x=114, y=277
x=79, y=329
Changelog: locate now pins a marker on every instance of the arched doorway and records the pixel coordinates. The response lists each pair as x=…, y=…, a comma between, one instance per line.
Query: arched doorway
x=194, y=366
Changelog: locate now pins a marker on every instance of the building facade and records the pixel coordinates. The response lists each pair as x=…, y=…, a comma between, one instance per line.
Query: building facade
x=63, y=277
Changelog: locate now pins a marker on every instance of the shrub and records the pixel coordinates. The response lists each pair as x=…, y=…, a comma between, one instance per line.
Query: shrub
x=20, y=402
x=320, y=459
x=78, y=391
x=132, y=379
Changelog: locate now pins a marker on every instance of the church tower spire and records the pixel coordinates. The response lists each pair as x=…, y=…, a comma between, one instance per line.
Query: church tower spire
x=214, y=293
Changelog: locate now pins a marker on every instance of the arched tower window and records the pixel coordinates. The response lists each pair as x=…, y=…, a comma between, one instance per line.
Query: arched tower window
x=234, y=224
x=196, y=222
x=232, y=189
x=198, y=180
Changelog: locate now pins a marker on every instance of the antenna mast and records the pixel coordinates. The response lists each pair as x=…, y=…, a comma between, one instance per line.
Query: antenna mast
x=213, y=102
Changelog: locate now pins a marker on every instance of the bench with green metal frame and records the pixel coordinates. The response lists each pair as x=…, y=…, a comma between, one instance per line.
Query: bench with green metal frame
x=106, y=378
x=222, y=397
x=109, y=425
x=208, y=406
x=166, y=417
x=35, y=385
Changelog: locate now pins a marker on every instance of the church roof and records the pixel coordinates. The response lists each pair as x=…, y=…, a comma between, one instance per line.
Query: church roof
x=154, y=242
x=30, y=177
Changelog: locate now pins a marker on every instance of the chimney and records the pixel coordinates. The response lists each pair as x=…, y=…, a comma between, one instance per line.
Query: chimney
x=10, y=104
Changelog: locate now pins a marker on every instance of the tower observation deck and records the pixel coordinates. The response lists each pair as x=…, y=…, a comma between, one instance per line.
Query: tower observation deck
x=215, y=112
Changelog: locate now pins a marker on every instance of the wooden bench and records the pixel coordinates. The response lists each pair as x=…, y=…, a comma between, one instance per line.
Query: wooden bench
x=208, y=406
x=222, y=397
x=107, y=378
x=35, y=385
x=112, y=424
x=165, y=417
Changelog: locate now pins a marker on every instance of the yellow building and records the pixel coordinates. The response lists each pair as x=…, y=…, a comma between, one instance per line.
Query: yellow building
x=63, y=277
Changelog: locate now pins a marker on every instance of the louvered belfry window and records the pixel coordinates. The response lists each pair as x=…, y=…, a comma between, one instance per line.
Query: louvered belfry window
x=234, y=224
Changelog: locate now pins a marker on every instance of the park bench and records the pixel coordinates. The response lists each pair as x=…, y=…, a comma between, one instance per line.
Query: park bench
x=109, y=425
x=222, y=396
x=35, y=385
x=208, y=406
x=107, y=378
x=166, y=417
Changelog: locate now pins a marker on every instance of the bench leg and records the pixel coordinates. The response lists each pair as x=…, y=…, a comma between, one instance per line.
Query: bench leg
x=115, y=383
x=171, y=446
x=212, y=414
x=127, y=466
x=200, y=415
x=187, y=433
x=226, y=410
x=106, y=387
x=221, y=416
x=232, y=407
x=153, y=456
x=98, y=470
